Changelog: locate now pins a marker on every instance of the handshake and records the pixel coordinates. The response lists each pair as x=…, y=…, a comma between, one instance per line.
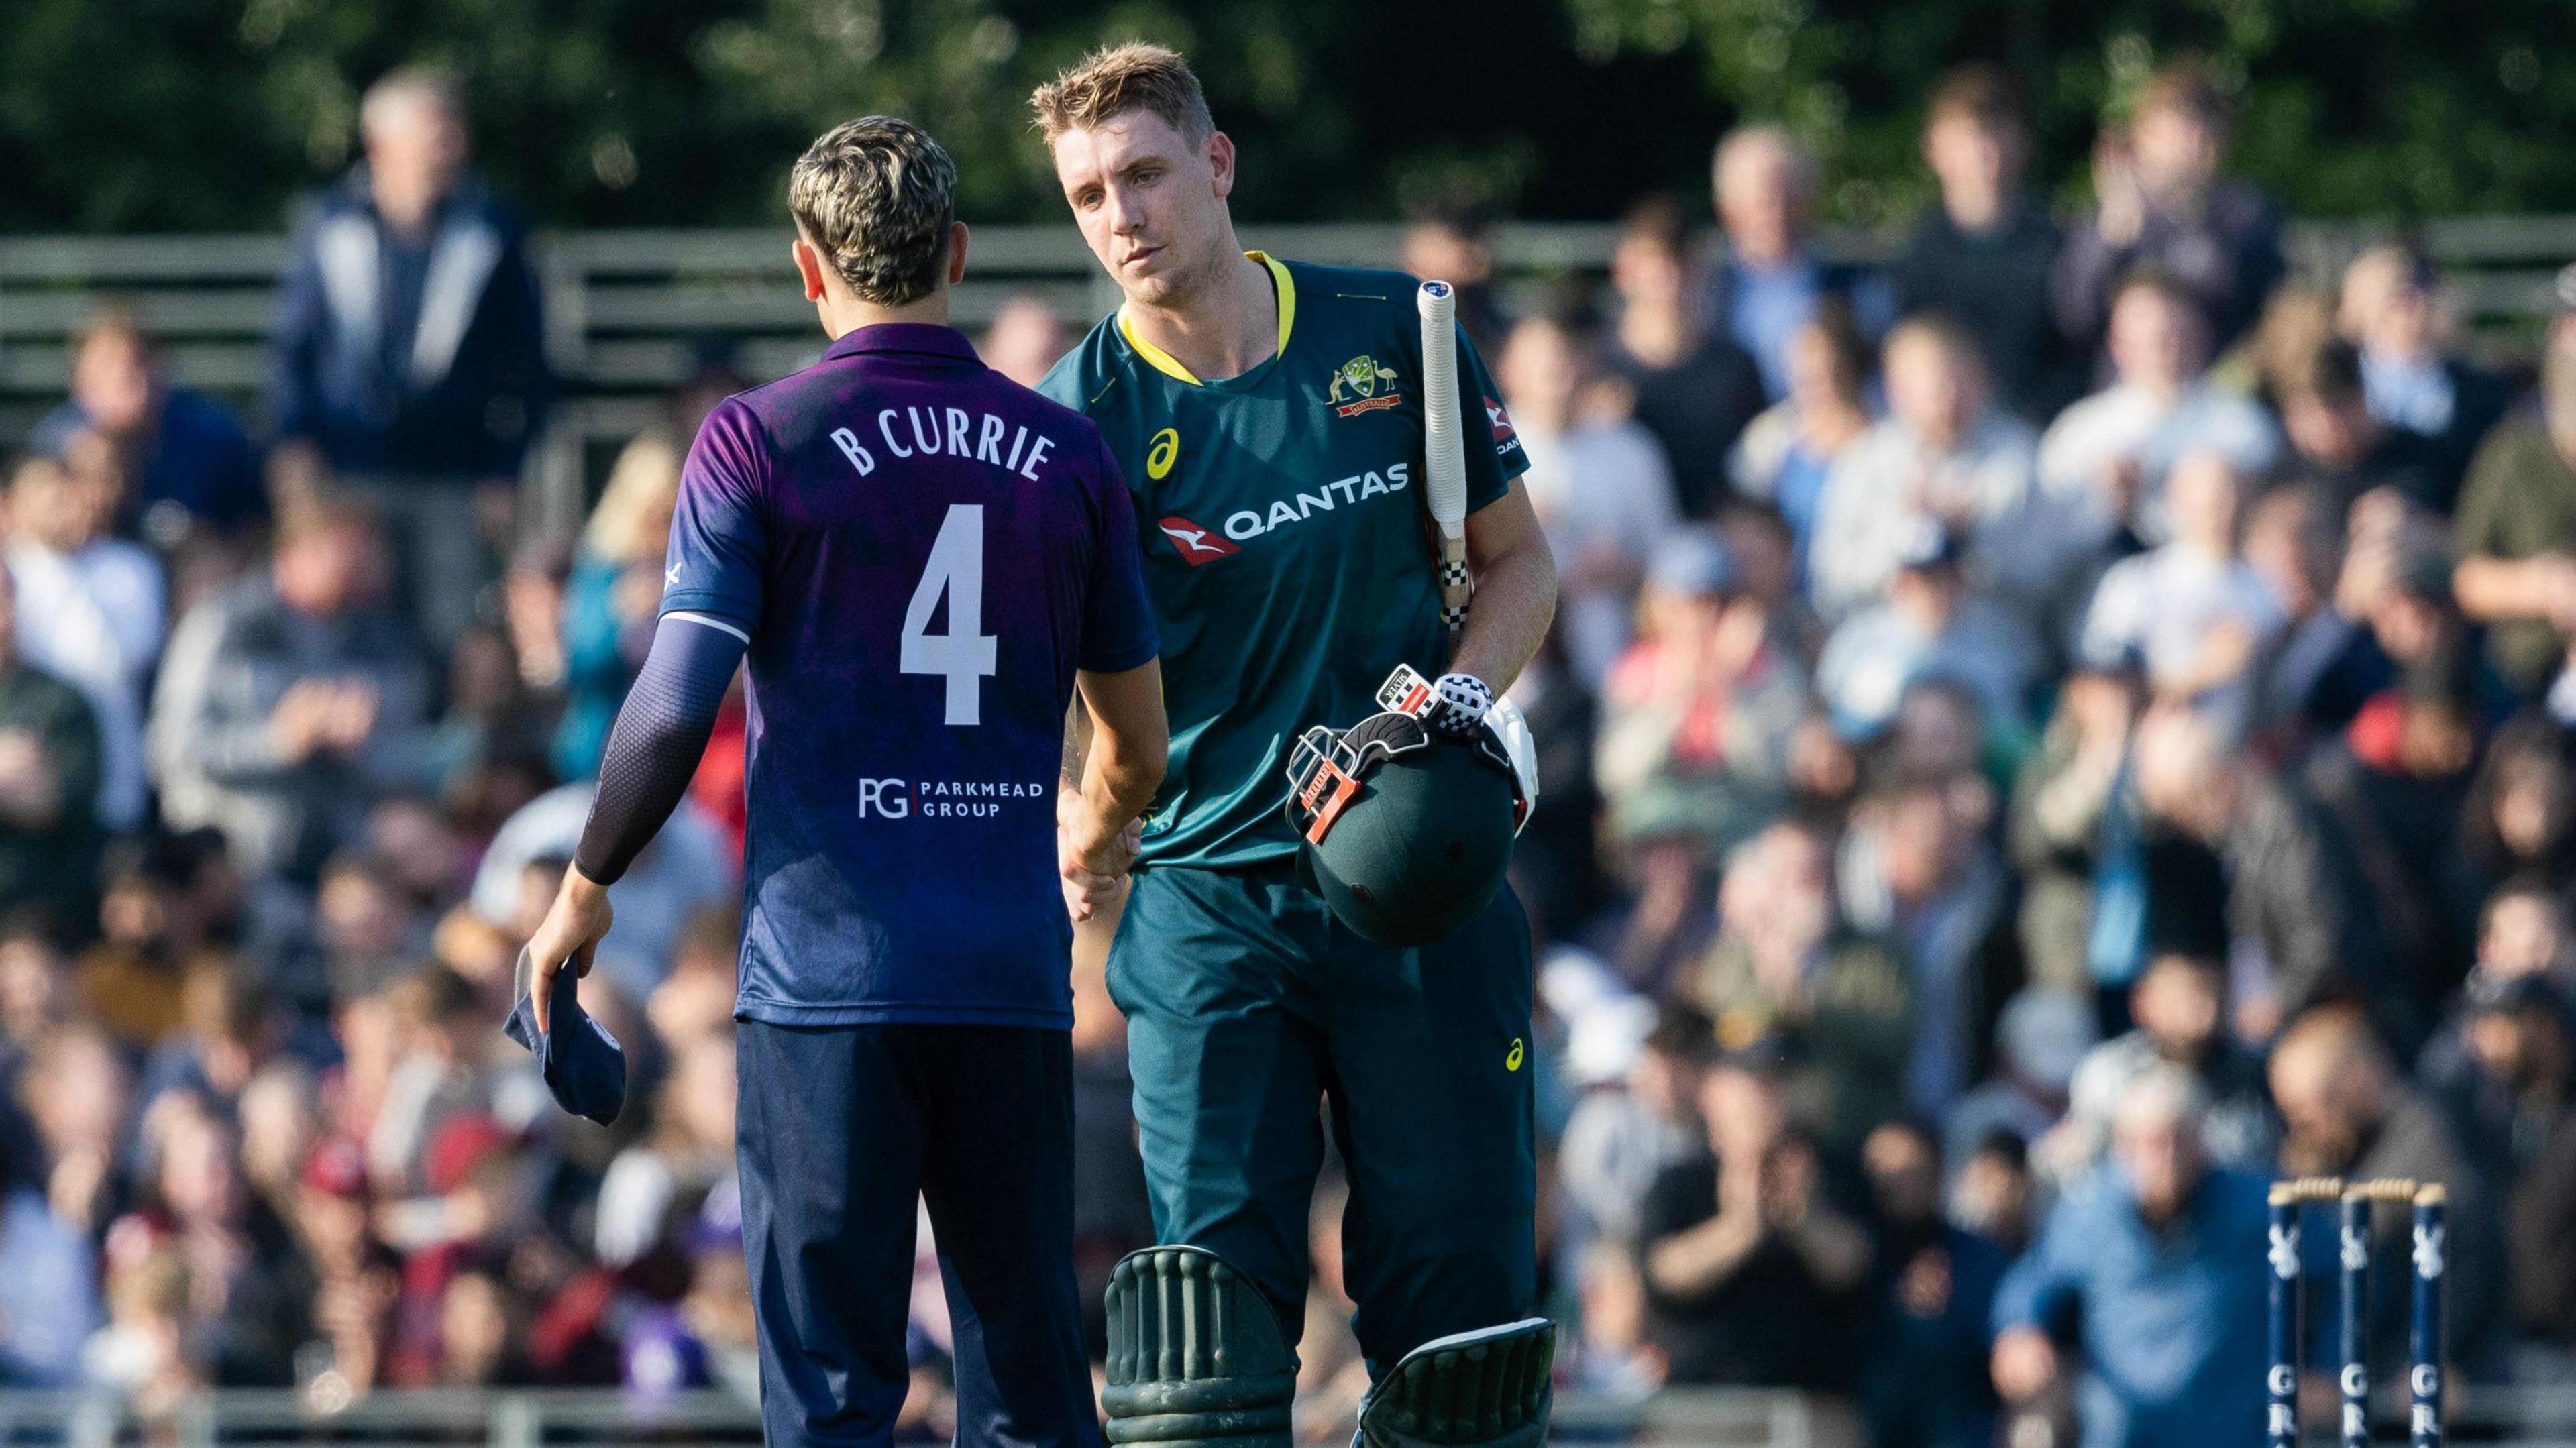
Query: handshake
x=1091, y=856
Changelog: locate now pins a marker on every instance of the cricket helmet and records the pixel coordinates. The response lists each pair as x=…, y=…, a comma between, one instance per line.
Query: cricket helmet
x=1404, y=832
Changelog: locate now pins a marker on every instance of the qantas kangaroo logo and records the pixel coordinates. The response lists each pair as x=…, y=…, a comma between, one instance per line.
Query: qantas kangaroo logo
x=1196, y=545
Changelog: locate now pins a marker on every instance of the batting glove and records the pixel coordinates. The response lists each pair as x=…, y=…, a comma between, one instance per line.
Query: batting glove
x=1458, y=705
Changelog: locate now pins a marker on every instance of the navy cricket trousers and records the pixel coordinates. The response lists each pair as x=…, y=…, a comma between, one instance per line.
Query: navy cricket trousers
x=840, y=1128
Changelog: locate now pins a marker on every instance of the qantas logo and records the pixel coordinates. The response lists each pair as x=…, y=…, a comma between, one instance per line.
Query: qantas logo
x=1501, y=420
x=1197, y=545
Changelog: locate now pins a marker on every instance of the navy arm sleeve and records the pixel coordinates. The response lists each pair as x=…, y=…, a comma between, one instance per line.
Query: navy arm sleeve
x=653, y=751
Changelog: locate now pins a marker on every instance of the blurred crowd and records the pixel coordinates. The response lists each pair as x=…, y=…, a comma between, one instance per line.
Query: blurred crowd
x=2041, y=736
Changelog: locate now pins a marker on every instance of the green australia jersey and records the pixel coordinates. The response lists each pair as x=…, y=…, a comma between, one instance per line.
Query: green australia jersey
x=1288, y=548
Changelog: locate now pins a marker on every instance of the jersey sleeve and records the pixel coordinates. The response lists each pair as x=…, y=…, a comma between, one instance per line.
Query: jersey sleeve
x=718, y=538
x=1118, y=630
x=1490, y=469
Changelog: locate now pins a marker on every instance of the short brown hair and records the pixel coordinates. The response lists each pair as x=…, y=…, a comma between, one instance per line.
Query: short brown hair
x=1120, y=78
x=1658, y=221
x=1981, y=93
x=2187, y=88
x=877, y=197
x=2328, y=372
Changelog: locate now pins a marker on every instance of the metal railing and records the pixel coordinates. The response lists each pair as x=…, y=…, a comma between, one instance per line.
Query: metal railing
x=2531, y=1417
x=627, y=310
x=623, y=305
x=1706, y=1418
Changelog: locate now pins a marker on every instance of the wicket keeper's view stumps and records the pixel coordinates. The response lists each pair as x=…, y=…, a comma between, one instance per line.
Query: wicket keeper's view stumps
x=2281, y=1382
x=2424, y=1334
x=2356, y=1202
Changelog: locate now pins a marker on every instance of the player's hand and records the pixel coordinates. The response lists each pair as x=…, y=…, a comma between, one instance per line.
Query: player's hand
x=1092, y=859
x=573, y=928
x=1458, y=705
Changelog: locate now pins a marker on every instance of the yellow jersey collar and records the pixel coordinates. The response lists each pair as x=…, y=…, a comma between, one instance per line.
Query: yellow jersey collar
x=1283, y=285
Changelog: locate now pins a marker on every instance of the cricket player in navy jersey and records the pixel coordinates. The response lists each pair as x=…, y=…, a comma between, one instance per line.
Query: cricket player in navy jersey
x=921, y=562
x=1269, y=417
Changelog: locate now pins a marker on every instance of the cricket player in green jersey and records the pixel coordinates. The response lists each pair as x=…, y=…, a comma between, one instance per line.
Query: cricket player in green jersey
x=1268, y=416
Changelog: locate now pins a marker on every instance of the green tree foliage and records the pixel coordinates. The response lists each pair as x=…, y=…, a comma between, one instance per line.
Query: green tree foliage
x=2346, y=107
x=143, y=115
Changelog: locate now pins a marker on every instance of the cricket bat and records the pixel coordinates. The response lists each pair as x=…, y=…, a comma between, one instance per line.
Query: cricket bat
x=1444, y=452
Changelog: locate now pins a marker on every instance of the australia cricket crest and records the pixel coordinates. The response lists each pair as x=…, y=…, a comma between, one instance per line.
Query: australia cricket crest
x=1360, y=377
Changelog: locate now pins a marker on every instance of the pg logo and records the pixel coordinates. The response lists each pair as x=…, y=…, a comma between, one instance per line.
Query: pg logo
x=884, y=798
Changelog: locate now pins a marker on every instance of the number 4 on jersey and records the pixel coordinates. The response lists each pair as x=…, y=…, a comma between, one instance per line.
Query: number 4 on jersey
x=965, y=655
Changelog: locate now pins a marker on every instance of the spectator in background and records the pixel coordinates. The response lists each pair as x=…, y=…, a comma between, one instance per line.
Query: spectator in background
x=2293, y=890
x=1931, y=624
x=2337, y=442
x=1695, y=390
x=1788, y=966
x=2396, y=785
x=2394, y=309
x=154, y=927
x=2107, y=456
x=1770, y=282
x=2521, y=958
x=2349, y=1113
x=1917, y=867
x=662, y=1180
x=409, y=356
x=2180, y=1005
x=612, y=596
x=2193, y=614
x=181, y=463
x=2510, y=1085
x=2041, y=1039
x=2158, y=203
x=2323, y=662
x=1981, y=254
x=49, y=784
x=288, y=703
x=141, y=1351
x=1702, y=707
x=2528, y=1054
x=2515, y=533
x=573, y=629
x=248, y=1287
x=2520, y=821
x=78, y=1091
x=1451, y=242
x=1788, y=452
x=1025, y=339
x=48, y=1288
x=1599, y=483
x=2145, y=1266
x=90, y=611
x=2072, y=824
x=1646, y=1118
x=230, y=1029
x=1992, y=1195
x=1947, y=457
x=1926, y=1384
x=1752, y=1276
x=690, y=866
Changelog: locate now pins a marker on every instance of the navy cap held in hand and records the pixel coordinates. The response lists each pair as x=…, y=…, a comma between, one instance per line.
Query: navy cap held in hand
x=581, y=1062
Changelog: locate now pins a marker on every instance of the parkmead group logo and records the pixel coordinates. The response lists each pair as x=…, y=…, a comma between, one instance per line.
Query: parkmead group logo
x=1195, y=544
x=1361, y=376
